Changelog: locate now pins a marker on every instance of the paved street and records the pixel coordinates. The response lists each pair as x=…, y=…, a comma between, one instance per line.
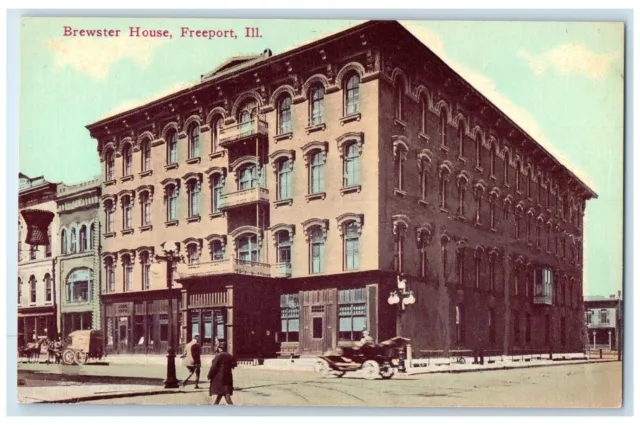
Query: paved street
x=579, y=385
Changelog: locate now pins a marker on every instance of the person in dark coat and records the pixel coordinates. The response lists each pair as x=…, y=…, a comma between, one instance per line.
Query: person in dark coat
x=221, y=375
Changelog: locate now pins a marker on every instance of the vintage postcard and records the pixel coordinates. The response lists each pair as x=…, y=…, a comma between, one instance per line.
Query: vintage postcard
x=320, y=213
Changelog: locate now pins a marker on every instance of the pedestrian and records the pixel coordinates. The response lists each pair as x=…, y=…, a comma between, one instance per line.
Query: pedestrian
x=192, y=353
x=220, y=375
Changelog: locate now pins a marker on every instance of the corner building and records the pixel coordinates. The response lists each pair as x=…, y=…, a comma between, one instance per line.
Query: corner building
x=301, y=185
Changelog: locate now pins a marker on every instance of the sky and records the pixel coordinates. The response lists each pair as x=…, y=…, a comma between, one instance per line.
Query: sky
x=561, y=82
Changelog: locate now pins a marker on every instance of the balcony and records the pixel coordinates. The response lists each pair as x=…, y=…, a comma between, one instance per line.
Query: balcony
x=241, y=132
x=543, y=299
x=227, y=266
x=244, y=197
x=281, y=270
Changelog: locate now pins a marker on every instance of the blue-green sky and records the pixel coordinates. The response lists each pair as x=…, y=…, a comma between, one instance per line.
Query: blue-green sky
x=562, y=82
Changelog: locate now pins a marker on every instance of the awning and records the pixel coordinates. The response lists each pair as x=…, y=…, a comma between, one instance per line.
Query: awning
x=50, y=313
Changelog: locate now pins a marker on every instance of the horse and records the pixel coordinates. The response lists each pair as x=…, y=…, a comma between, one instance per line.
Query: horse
x=54, y=351
x=32, y=350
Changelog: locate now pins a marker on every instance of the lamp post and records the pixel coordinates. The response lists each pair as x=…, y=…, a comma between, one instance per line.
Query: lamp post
x=401, y=297
x=171, y=255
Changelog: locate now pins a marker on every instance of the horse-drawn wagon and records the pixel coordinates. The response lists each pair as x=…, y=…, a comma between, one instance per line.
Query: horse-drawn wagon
x=82, y=346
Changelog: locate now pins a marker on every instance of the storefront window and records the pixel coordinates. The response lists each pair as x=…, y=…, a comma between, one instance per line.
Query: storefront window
x=163, y=319
x=289, y=318
x=138, y=331
x=352, y=313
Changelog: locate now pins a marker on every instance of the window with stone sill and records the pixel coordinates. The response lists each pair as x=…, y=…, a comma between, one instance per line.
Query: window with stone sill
x=352, y=95
x=216, y=127
x=216, y=250
x=109, y=217
x=145, y=149
x=424, y=117
x=492, y=214
x=284, y=115
x=127, y=161
x=316, y=105
x=444, y=187
x=462, y=129
x=72, y=245
x=351, y=165
x=194, y=141
x=283, y=247
x=47, y=288
x=145, y=261
x=171, y=203
x=145, y=205
x=284, y=174
x=110, y=166
x=443, y=127
x=193, y=193
x=127, y=210
x=478, y=150
x=110, y=275
x=399, y=99
x=172, y=147
x=193, y=255
x=424, y=182
x=33, y=297
x=316, y=250
x=400, y=234
x=316, y=172
x=247, y=248
x=127, y=265
x=351, y=245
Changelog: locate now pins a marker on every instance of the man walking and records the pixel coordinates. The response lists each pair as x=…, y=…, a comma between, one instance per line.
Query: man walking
x=192, y=353
x=221, y=375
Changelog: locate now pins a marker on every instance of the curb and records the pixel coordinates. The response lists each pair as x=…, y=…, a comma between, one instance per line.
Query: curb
x=531, y=366
x=109, y=396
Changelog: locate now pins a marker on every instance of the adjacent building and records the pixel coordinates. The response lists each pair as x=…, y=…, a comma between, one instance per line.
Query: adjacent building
x=78, y=258
x=604, y=321
x=36, y=264
x=299, y=188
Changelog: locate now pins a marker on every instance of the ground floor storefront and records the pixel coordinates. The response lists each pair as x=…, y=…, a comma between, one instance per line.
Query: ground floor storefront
x=36, y=321
x=76, y=321
x=138, y=323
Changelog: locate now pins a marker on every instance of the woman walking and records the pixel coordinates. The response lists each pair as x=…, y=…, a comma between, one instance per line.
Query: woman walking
x=221, y=375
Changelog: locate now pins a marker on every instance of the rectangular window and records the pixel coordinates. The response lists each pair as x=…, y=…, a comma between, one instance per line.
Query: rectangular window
x=163, y=319
x=289, y=318
x=352, y=313
x=318, y=328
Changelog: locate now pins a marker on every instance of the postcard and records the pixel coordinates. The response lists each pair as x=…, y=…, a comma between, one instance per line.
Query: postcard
x=320, y=213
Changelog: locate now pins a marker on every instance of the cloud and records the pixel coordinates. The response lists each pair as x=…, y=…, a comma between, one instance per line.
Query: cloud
x=571, y=58
x=95, y=57
x=488, y=88
x=133, y=103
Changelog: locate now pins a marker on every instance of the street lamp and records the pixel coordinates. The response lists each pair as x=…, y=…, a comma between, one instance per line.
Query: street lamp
x=171, y=255
x=401, y=297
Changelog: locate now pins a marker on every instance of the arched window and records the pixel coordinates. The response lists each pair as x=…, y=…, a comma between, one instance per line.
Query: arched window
x=517, y=177
x=316, y=112
x=461, y=132
x=33, y=298
x=424, y=118
x=172, y=147
x=216, y=185
x=424, y=181
x=146, y=155
x=478, y=150
x=284, y=115
x=83, y=238
x=145, y=261
x=539, y=190
x=492, y=155
x=492, y=213
x=127, y=213
x=194, y=141
x=317, y=242
x=399, y=158
x=109, y=216
x=443, y=126
x=248, y=177
x=352, y=95
x=127, y=161
x=283, y=180
x=193, y=192
x=444, y=187
x=283, y=251
x=216, y=126
x=459, y=324
x=248, y=250
x=316, y=172
x=110, y=166
x=400, y=235
x=506, y=167
x=461, y=192
x=399, y=99
x=193, y=254
x=63, y=240
x=216, y=250
x=351, y=248
x=351, y=165
x=127, y=266
x=171, y=202
x=73, y=246
x=48, y=289
x=145, y=206
x=110, y=273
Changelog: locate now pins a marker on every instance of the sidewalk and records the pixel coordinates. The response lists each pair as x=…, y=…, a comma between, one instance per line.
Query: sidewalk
x=74, y=392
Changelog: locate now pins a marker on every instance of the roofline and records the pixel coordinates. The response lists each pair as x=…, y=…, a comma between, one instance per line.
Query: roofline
x=331, y=38
x=225, y=77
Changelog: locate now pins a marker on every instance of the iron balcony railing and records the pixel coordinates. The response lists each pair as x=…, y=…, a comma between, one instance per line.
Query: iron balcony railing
x=244, y=197
x=238, y=132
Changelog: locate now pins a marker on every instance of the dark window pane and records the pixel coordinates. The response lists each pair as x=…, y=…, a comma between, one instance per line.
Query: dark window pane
x=317, y=327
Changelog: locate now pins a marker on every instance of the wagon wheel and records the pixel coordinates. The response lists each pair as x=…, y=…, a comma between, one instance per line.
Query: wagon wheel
x=81, y=357
x=68, y=356
x=371, y=369
x=386, y=371
x=321, y=368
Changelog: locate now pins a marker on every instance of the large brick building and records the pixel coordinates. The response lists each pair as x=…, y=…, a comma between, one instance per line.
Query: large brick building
x=301, y=185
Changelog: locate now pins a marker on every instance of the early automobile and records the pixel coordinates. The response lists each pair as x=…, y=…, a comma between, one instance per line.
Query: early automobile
x=82, y=346
x=373, y=360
